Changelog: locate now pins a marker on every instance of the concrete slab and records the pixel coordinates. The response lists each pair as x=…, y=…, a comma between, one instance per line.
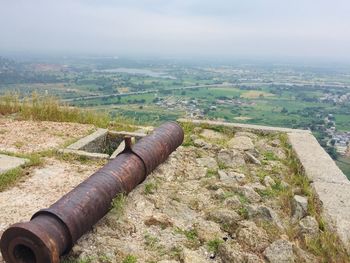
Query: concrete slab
x=9, y=162
x=88, y=155
x=318, y=165
x=90, y=143
x=242, y=126
x=328, y=181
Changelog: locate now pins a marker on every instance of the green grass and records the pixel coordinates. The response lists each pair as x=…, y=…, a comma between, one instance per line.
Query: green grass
x=118, y=204
x=48, y=108
x=188, y=130
x=191, y=235
x=150, y=188
x=344, y=164
x=130, y=259
x=211, y=173
x=12, y=176
x=213, y=245
x=270, y=156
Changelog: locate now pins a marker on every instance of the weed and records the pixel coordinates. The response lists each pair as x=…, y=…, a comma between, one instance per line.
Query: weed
x=151, y=241
x=274, y=191
x=150, y=188
x=270, y=156
x=213, y=245
x=244, y=200
x=19, y=144
x=211, y=173
x=130, y=259
x=271, y=229
x=243, y=212
x=188, y=130
x=228, y=194
x=328, y=247
x=118, y=204
x=191, y=236
x=222, y=166
x=175, y=253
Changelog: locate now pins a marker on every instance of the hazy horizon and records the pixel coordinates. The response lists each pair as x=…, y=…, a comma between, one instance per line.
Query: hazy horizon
x=256, y=28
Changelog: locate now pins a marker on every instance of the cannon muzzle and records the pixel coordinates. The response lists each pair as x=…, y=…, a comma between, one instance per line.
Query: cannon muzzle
x=53, y=231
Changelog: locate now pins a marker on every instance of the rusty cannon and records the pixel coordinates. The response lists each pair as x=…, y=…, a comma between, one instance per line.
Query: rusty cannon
x=52, y=232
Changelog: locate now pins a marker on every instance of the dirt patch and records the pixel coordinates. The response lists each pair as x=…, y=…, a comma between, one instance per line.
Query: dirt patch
x=33, y=136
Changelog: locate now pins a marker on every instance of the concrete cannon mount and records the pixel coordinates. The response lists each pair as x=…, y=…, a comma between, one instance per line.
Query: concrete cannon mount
x=329, y=183
x=102, y=144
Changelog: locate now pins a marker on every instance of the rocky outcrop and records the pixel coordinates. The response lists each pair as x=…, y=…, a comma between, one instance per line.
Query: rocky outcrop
x=299, y=207
x=241, y=143
x=231, y=158
x=252, y=237
x=308, y=227
x=280, y=251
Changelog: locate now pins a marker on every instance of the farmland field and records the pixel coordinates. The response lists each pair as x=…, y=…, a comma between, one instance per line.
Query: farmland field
x=154, y=91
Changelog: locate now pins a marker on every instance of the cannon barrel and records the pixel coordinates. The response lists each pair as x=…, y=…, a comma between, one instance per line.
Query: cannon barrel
x=53, y=231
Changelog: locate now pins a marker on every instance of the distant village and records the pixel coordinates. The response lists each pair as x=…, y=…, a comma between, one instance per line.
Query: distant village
x=192, y=106
x=340, y=140
x=335, y=98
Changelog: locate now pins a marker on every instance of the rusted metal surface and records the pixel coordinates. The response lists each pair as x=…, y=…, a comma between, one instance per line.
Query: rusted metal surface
x=52, y=232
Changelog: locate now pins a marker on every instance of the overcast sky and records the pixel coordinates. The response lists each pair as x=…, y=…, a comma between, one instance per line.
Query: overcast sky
x=282, y=28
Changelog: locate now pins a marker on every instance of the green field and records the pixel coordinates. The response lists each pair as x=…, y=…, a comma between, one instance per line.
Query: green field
x=274, y=95
x=344, y=164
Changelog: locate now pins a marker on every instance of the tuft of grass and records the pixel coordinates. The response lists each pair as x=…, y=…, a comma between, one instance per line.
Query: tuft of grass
x=328, y=247
x=130, y=259
x=188, y=128
x=175, y=253
x=276, y=190
x=213, y=245
x=243, y=212
x=151, y=241
x=118, y=204
x=271, y=229
x=191, y=235
x=150, y=188
x=211, y=173
x=270, y=156
x=244, y=200
x=12, y=176
x=222, y=166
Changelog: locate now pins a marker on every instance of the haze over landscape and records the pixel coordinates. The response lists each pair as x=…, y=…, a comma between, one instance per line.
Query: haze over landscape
x=224, y=28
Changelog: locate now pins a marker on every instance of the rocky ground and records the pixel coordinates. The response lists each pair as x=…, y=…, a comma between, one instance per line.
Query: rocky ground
x=221, y=197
